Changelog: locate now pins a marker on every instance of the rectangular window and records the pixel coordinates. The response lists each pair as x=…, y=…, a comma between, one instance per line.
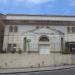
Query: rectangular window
x=73, y=29
x=11, y=47
x=14, y=47
x=70, y=47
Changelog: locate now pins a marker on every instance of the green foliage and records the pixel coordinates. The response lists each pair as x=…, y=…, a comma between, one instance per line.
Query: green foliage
x=20, y=51
x=3, y=51
x=66, y=50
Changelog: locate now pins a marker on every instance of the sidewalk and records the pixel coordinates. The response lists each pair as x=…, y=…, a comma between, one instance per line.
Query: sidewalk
x=27, y=70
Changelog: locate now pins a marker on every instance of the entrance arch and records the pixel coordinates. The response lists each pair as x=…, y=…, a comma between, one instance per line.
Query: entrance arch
x=44, y=39
x=44, y=45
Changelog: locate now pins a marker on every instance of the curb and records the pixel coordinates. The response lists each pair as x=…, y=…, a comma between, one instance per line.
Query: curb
x=37, y=71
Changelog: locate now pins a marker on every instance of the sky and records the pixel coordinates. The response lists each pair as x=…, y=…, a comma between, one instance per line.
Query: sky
x=49, y=7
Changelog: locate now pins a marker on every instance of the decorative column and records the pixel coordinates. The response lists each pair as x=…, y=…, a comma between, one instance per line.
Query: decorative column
x=17, y=47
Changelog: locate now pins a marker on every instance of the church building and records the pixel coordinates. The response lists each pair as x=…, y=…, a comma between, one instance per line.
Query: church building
x=42, y=34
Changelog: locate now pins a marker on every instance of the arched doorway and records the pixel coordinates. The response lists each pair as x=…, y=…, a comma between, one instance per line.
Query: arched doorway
x=44, y=45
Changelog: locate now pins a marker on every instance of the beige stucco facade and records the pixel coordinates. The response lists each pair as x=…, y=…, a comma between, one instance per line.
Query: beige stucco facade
x=40, y=40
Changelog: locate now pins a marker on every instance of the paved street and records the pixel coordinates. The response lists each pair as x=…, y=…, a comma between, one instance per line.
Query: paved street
x=55, y=72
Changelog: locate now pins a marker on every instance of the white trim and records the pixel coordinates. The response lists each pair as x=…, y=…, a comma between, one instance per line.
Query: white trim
x=46, y=18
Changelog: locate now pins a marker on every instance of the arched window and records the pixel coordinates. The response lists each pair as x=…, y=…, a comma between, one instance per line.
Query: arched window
x=44, y=38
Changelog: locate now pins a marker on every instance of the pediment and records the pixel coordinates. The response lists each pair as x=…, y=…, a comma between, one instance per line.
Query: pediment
x=43, y=31
x=47, y=31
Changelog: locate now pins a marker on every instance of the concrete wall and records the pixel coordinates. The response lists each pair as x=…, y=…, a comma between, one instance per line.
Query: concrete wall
x=34, y=60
